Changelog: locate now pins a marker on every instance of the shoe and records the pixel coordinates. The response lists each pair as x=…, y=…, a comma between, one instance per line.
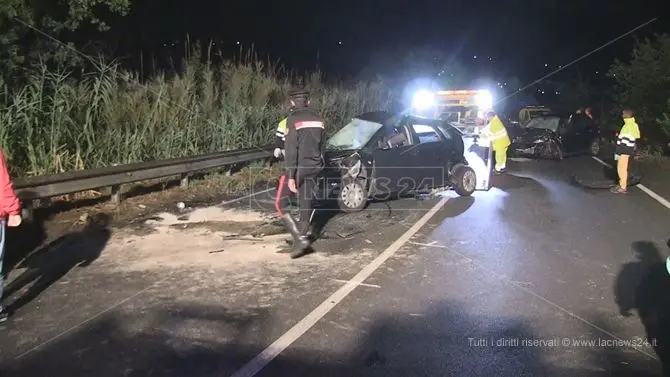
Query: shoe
x=300, y=242
x=301, y=251
x=618, y=190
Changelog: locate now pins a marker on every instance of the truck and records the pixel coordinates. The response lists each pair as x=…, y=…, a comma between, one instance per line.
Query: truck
x=465, y=109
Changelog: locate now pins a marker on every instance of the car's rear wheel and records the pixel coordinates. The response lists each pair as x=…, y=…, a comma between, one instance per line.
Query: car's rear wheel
x=594, y=147
x=464, y=180
x=353, y=196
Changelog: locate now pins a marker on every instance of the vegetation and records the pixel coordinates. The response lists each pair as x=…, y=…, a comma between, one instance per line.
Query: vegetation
x=28, y=30
x=643, y=83
x=57, y=123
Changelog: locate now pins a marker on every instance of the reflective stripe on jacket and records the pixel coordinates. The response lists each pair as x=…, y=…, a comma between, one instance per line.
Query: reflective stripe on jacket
x=626, y=141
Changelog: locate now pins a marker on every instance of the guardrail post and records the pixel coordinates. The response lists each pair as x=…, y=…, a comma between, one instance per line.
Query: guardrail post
x=184, y=180
x=116, y=194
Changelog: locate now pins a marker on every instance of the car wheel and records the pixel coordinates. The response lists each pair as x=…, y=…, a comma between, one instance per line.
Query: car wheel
x=353, y=196
x=553, y=151
x=464, y=181
x=558, y=152
x=594, y=147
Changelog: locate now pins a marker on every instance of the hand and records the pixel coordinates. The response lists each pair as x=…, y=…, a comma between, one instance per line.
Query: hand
x=277, y=152
x=14, y=220
x=292, y=186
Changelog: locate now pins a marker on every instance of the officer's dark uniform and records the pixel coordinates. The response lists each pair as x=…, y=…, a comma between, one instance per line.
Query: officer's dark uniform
x=305, y=135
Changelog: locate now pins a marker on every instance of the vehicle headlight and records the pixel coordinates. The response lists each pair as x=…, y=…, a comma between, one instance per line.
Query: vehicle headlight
x=484, y=100
x=423, y=99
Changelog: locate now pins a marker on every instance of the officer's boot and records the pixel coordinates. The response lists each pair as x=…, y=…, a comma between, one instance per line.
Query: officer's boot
x=300, y=242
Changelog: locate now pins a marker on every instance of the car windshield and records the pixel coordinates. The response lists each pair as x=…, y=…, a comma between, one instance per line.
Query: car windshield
x=545, y=123
x=354, y=135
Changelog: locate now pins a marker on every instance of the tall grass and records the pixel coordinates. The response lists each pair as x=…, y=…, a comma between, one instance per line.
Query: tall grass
x=57, y=123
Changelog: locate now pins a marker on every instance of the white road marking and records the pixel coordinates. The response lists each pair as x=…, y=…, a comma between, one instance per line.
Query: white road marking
x=89, y=319
x=246, y=196
x=361, y=284
x=664, y=202
x=519, y=285
x=273, y=350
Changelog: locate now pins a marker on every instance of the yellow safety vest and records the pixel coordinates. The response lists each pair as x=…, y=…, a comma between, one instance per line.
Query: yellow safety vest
x=496, y=132
x=628, y=136
x=281, y=129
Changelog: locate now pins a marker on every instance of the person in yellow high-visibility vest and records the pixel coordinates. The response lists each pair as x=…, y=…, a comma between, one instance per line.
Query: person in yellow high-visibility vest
x=496, y=133
x=625, y=148
x=281, y=138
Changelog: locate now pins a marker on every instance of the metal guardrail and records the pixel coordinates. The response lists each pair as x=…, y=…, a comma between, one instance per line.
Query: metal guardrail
x=48, y=186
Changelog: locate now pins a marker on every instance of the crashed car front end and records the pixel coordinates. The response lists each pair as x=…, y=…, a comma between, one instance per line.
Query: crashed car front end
x=341, y=167
x=531, y=146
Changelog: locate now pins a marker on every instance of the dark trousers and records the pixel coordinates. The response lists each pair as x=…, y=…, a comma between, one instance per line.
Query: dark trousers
x=306, y=196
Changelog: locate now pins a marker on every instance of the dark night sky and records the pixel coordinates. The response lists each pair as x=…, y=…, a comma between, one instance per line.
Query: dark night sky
x=521, y=35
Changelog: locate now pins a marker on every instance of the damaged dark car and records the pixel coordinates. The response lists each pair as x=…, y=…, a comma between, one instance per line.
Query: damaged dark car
x=556, y=137
x=379, y=154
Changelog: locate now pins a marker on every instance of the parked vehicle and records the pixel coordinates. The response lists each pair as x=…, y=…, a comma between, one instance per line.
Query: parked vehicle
x=379, y=154
x=556, y=136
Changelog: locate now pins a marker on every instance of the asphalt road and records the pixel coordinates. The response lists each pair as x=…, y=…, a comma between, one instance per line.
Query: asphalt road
x=532, y=278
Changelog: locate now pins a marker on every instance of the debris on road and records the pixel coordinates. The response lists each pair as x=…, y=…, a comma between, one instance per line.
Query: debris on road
x=348, y=234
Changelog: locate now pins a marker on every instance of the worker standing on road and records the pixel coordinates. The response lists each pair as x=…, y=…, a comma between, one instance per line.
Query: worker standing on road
x=303, y=162
x=625, y=148
x=281, y=138
x=496, y=133
x=10, y=215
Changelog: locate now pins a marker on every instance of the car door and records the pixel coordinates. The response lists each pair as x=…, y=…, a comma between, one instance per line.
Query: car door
x=395, y=157
x=431, y=155
x=570, y=137
x=583, y=133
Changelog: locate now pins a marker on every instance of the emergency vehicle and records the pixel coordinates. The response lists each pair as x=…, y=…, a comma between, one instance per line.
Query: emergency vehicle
x=465, y=109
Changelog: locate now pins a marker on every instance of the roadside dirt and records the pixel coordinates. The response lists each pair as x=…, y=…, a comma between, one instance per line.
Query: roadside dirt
x=140, y=203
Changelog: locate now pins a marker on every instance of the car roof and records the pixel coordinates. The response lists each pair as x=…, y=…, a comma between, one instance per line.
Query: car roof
x=553, y=115
x=375, y=116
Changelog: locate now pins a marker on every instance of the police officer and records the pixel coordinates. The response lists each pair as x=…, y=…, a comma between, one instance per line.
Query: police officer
x=281, y=138
x=303, y=145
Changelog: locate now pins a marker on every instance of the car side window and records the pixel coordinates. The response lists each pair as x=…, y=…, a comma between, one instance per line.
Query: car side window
x=426, y=134
x=395, y=137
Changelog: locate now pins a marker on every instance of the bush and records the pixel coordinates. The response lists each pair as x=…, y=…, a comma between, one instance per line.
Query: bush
x=643, y=83
x=57, y=123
